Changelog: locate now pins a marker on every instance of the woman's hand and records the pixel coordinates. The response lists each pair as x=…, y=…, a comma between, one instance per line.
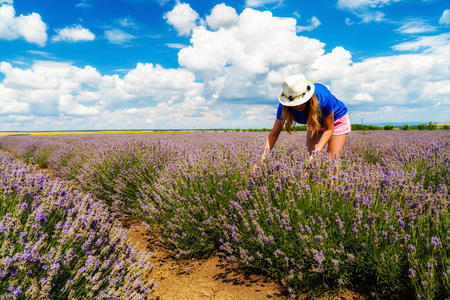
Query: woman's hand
x=270, y=142
x=266, y=151
x=263, y=157
x=316, y=152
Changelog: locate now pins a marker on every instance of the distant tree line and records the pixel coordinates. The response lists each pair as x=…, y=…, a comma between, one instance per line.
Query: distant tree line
x=428, y=126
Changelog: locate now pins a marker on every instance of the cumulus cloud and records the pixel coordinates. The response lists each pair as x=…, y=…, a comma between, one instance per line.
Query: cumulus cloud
x=30, y=27
x=75, y=33
x=419, y=79
x=222, y=16
x=445, y=18
x=234, y=62
x=330, y=66
x=230, y=76
x=9, y=102
x=51, y=88
x=363, y=97
x=239, y=65
x=182, y=17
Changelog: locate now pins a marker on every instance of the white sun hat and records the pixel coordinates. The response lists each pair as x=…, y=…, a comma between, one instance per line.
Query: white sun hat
x=296, y=90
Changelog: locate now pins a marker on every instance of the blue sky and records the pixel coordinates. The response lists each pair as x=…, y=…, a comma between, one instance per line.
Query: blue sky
x=124, y=64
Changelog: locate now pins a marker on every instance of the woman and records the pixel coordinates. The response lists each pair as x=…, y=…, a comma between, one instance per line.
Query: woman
x=311, y=103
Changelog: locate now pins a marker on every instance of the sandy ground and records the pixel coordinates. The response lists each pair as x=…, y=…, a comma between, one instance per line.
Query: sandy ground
x=198, y=278
x=210, y=278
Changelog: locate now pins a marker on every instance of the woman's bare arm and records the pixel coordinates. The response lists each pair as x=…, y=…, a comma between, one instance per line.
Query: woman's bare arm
x=328, y=123
x=272, y=137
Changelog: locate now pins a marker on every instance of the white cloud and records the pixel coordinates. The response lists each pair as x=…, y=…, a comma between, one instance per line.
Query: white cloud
x=331, y=65
x=412, y=80
x=168, y=85
x=9, y=103
x=161, y=2
x=234, y=62
x=313, y=24
x=182, y=17
x=238, y=63
x=260, y=3
x=75, y=33
x=363, y=97
x=425, y=42
x=222, y=16
x=117, y=36
x=127, y=22
x=259, y=113
x=229, y=77
x=370, y=16
x=41, y=53
x=366, y=10
x=30, y=27
x=51, y=88
x=68, y=106
x=445, y=18
x=416, y=26
x=175, y=45
x=84, y=4
x=358, y=4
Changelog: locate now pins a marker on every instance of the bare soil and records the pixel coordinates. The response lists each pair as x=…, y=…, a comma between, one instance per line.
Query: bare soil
x=210, y=278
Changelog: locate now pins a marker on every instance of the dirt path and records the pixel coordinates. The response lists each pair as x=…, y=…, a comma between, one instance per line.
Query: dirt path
x=210, y=278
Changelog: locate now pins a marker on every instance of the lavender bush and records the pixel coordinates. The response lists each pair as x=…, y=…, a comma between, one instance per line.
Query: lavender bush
x=381, y=223
x=57, y=243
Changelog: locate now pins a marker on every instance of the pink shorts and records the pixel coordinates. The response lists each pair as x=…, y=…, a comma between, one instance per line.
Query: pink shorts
x=341, y=125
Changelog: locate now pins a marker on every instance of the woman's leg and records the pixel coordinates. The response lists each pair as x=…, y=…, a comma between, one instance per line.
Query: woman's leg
x=336, y=144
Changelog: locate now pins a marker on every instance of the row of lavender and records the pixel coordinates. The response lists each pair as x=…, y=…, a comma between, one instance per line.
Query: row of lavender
x=381, y=222
x=57, y=243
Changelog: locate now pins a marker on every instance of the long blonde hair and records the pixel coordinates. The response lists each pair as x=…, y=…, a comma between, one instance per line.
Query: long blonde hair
x=314, y=113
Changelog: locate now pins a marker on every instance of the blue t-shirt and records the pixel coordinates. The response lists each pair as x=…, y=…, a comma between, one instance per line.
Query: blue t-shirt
x=327, y=102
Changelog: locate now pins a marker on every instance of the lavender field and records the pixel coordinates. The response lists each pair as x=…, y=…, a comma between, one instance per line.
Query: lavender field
x=378, y=225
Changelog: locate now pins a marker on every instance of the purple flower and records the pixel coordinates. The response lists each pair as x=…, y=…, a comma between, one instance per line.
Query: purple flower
x=291, y=292
x=319, y=257
x=335, y=263
x=435, y=241
x=350, y=257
